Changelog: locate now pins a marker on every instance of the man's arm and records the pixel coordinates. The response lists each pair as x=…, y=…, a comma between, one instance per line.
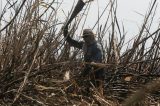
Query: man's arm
x=71, y=41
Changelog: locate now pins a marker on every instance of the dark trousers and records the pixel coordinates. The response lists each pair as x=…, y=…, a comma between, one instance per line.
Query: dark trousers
x=95, y=74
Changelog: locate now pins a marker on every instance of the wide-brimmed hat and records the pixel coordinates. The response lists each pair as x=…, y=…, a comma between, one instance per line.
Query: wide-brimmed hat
x=88, y=32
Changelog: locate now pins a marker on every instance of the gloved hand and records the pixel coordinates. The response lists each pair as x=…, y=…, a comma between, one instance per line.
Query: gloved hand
x=65, y=31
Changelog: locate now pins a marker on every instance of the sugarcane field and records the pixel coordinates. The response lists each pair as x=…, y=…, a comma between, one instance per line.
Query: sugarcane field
x=78, y=54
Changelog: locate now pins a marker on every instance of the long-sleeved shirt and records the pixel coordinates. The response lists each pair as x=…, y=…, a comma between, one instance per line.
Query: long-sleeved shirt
x=92, y=52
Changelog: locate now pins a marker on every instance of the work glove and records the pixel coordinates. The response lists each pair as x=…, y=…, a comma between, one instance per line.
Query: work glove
x=65, y=31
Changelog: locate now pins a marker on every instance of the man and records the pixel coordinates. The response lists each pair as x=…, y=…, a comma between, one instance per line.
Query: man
x=92, y=53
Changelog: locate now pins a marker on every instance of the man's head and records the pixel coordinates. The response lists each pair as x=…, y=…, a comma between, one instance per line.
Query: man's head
x=88, y=36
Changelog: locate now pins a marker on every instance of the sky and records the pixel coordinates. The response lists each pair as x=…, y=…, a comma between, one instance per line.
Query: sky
x=129, y=12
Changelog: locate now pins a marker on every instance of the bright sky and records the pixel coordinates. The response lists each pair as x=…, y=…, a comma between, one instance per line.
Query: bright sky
x=128, y=12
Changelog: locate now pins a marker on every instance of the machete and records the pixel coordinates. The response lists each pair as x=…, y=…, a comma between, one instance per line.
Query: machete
x=79, y=6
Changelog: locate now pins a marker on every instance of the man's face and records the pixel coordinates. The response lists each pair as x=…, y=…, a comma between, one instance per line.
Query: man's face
x=86, y=38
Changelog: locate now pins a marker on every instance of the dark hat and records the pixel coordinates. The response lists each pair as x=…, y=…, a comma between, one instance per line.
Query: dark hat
x=88, y=32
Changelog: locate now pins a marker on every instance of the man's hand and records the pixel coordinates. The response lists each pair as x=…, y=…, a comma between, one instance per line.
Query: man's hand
x=65, y=31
